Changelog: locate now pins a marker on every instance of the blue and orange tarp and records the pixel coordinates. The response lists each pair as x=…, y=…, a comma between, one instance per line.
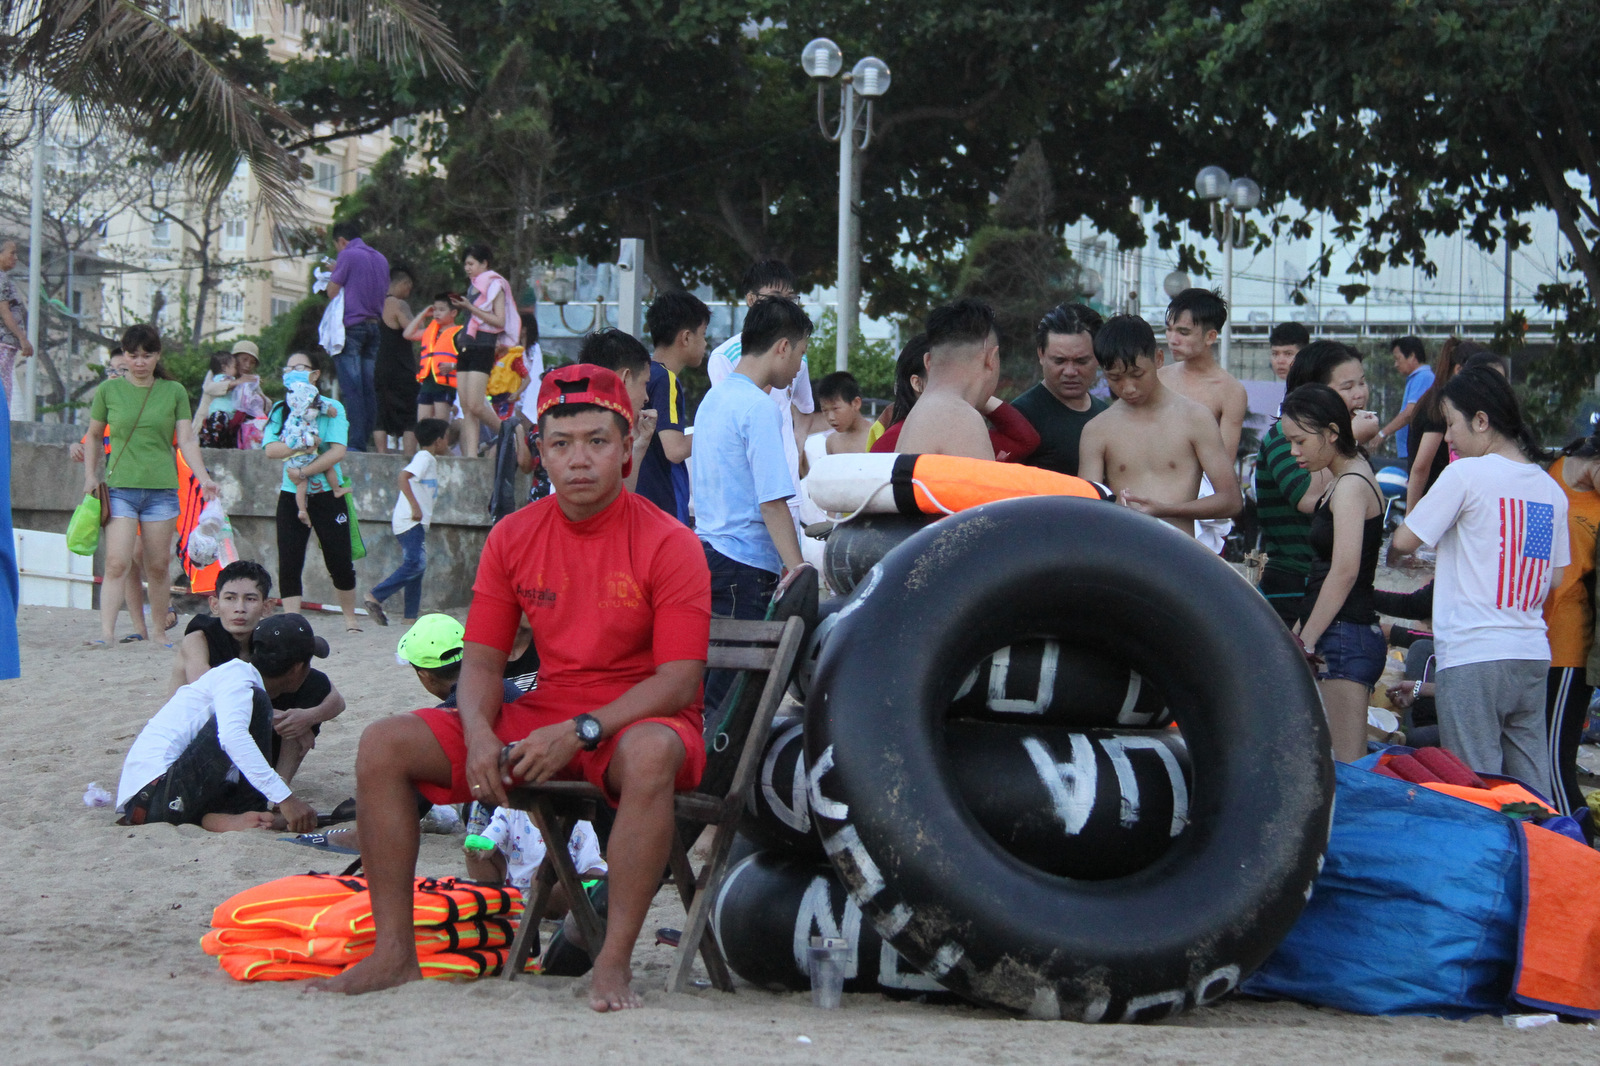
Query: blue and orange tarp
x=1433, y=901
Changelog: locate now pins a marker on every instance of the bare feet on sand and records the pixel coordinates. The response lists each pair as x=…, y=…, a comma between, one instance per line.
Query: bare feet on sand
x=229, y=823
x=373, y=973
x=612, y=989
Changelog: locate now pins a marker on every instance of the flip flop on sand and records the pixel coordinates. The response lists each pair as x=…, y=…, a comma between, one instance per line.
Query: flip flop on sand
x=352, y=629
x=132, y=638
x=375, y=609
x=94, y=644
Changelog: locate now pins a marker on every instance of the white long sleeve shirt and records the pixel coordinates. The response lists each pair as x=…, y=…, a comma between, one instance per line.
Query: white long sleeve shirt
x=225, y=692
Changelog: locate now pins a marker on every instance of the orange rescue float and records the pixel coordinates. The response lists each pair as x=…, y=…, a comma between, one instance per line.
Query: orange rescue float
x=931, y=484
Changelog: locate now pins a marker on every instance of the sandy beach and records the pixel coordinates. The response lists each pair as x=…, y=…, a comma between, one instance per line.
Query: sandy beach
x=101, y=961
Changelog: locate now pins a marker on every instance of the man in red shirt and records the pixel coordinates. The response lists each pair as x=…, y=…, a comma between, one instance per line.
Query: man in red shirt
x=619, y=598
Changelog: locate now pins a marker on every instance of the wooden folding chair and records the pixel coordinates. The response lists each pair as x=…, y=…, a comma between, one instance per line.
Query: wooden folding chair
x=765, y=651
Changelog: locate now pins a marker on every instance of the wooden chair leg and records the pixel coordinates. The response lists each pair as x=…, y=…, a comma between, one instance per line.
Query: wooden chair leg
x=697, y=934
x=528, y=928
x=557, y=834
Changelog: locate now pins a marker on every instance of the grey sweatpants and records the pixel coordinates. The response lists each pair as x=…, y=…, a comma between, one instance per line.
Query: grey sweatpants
x=1492, y=715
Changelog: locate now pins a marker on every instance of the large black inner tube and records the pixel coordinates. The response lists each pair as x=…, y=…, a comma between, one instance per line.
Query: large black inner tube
x=1051, y=681
x=769, y=908
x=1117, y=811
x=1129, y=794
x=854, y=547
x=948, y=896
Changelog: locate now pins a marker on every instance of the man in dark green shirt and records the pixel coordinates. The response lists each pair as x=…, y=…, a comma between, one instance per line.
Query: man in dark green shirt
x=1282, y=486
x=1060, y=405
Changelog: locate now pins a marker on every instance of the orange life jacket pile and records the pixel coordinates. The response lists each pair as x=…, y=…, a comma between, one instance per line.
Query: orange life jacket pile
x=317, y=925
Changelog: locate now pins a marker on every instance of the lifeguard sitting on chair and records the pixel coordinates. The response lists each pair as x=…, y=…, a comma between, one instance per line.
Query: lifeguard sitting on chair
x=619, y=598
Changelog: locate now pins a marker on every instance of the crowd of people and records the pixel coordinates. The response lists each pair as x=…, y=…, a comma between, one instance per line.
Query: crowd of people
x=583, y=653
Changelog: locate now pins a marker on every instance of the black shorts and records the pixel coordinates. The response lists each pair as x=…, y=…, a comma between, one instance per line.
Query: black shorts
x=475, y=359
x=196, y=784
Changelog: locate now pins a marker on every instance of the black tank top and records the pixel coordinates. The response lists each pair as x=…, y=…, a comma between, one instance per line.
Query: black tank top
x=397, y=359
x=1358, y=605
x=221, y=645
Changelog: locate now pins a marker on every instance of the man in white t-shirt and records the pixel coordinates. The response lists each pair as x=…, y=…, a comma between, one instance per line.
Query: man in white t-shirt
x=772, y=277
x=413, y=513
x=204, y=757
x=1500, y=525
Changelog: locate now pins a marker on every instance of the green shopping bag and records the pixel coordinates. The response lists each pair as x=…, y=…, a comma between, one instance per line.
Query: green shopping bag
x=358, y=547
x=83, y=531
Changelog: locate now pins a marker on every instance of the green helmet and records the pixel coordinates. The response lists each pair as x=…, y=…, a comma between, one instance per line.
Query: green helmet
x=436, y=640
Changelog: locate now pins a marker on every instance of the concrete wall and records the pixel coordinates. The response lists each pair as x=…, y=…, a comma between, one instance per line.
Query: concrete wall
x=46, y=485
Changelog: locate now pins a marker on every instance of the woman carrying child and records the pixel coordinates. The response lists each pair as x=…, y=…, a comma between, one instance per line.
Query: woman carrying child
x=1338, y=622
x=230, y=398
x=311, y=496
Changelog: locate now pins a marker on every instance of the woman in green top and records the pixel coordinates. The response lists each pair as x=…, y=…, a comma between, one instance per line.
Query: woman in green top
x=147, y=412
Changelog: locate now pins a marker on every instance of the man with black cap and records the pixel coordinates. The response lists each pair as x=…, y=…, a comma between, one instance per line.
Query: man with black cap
x=205, y=758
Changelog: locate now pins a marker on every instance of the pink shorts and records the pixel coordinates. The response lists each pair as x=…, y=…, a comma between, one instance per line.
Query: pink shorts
x=517, y=720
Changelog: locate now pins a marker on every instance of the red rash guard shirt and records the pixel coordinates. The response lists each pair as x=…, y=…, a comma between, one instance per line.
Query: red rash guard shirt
x=609, y=599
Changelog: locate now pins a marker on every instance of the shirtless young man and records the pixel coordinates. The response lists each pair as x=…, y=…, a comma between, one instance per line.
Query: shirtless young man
x=1153, y=446
x=963, y=371
x=1194, y=322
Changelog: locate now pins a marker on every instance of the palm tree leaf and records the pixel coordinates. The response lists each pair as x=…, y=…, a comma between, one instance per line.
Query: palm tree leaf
x=396, y=31
x=131, y=61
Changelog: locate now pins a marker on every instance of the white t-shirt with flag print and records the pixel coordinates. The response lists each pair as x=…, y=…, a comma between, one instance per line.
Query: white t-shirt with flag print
x=1501, y=529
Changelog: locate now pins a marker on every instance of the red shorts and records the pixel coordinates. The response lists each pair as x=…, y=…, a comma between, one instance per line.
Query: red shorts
x=519, y=719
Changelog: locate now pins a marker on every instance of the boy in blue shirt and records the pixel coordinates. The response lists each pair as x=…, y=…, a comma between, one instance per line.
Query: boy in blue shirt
x=677, y=323
x=742, y=482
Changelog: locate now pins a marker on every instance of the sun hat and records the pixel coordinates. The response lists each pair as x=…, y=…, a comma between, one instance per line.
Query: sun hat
x=246, y=348
x=434, y=641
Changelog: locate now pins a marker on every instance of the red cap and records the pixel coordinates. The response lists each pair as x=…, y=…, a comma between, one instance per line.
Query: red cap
x=584, y=383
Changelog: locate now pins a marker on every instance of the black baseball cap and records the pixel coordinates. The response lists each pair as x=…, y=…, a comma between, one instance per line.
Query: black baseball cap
x=282, y=640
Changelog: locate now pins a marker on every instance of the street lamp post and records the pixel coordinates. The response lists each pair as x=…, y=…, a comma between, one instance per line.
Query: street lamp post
x=869, y=79
x=1213, y=184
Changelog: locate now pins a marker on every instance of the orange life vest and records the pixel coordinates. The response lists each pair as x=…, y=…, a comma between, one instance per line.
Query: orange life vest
x=439, y=354
x=443, y=966
x=315, y=905
x=277, y=946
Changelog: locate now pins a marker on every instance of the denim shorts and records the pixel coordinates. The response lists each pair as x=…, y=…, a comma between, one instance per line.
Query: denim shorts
x=147, y=505
x=1352, y=652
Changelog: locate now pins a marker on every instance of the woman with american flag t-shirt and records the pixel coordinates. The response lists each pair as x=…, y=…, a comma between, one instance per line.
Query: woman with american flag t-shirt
x=1500, y=525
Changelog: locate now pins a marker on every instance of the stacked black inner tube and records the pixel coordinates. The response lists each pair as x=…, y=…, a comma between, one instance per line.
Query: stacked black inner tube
x=946, y=894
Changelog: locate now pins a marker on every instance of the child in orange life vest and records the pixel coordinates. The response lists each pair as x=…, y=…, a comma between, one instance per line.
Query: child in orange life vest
x=435, y=326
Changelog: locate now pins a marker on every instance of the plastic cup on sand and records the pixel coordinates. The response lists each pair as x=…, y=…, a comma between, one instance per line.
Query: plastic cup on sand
x=825, y=962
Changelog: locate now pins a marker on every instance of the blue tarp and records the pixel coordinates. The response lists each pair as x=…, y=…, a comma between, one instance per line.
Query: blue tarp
x=1417, y=909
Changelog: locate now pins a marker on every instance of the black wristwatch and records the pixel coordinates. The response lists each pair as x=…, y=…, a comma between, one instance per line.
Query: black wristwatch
x=588, y=729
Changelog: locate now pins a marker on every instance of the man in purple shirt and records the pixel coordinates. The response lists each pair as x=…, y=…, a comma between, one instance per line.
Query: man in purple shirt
x=362, y=274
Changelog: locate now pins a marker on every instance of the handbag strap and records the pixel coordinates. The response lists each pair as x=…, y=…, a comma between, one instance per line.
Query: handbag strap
x=129, y=438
